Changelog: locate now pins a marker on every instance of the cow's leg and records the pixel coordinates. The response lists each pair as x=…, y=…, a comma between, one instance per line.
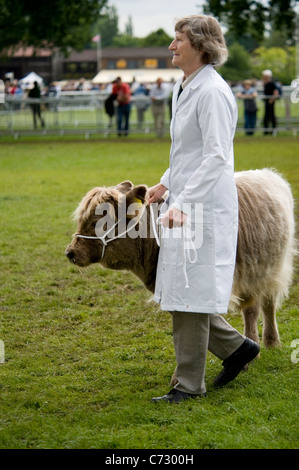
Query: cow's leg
x=250, y=316
x=270, y=331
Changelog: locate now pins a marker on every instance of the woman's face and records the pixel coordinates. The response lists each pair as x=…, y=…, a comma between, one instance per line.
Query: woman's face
x=184, y=55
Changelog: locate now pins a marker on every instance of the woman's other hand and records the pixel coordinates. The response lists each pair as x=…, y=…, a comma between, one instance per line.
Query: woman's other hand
x=156, y=192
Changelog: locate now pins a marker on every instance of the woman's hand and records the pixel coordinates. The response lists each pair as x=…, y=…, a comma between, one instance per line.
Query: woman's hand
x=173, y=218
x=155, y=192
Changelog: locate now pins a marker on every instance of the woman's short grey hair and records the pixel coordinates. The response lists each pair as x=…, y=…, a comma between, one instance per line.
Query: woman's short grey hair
x=205, y=35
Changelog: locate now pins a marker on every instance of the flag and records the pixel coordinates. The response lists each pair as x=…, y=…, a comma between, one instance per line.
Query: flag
x=96, y=38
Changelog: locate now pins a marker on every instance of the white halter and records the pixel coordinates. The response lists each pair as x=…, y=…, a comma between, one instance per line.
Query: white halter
x=103, y=237
x=186, y=239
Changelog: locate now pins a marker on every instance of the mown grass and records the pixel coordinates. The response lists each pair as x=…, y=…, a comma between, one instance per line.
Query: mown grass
x=85, y=351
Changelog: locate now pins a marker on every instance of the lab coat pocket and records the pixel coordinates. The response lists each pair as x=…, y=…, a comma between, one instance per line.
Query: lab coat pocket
x=203, y=240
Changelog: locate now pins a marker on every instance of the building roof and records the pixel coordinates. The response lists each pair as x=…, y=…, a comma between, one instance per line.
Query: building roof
x=90, y=55
x=87, y=55
x=30, y=52
x=136, y=52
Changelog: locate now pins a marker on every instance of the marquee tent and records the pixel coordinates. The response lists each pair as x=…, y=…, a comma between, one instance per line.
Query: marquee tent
x=30, y=79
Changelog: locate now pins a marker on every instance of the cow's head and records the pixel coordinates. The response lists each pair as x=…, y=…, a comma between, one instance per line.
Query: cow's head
x=103, y=215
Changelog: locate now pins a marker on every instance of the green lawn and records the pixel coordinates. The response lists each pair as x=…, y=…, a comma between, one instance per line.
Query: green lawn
x=85, y=351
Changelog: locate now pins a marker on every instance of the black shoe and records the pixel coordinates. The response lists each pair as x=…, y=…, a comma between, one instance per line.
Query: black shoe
x=175, y=396
x=233, y=365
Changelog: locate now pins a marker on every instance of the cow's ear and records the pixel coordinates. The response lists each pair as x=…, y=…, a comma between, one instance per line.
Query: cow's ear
x=137, y=195
x=135, y=200
x=124, y=187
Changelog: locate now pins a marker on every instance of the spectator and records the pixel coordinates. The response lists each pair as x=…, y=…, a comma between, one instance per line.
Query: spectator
x=271, y=93
x=35, y=107
x=53, y=93
x=248, y=94
x=109, y=108
x=141, y=104
x=123, y=97
x=158, y=96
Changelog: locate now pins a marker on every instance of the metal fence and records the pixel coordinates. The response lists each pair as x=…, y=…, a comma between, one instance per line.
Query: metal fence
x=84, y=113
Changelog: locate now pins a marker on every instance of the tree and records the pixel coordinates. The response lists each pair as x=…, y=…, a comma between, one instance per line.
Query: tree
x=253, y=16
x=55, y=24
x=157, y=39
x=282, y=15
x=129, y=27
x=123, y=40
x=280, y=61
x=238, y=65
x=106, y=25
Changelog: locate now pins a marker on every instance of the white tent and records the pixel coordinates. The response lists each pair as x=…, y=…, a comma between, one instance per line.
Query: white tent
x=30, y=79
x=138, y=75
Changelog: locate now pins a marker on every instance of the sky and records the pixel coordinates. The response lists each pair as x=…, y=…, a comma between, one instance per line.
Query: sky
x=150, y=15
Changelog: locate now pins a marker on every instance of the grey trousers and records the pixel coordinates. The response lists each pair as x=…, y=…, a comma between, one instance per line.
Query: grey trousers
x=193, y=335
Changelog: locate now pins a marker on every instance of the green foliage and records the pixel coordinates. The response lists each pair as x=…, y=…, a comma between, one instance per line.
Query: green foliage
x=56, y=24
x=106, y=25
x=253, y=17
x=85, y=350
x=241, y=64
x=155, y=39
x=129, y=27
x=280, y=61
x=123, y=40
x=238, y=65
x=158, y=38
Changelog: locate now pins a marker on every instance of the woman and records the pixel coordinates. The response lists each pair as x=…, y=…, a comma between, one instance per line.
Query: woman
x=248, y=94
x=194, y=279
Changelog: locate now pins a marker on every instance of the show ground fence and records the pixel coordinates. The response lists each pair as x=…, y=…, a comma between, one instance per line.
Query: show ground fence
x=84, y=113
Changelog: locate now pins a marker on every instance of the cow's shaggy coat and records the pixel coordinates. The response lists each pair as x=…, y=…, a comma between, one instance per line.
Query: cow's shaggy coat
x=265, y=250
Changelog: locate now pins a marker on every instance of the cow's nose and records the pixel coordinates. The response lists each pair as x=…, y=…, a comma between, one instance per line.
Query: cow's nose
x=71, y=255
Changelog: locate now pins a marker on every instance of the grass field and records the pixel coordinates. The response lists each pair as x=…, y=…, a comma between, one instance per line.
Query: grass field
x=86, y=351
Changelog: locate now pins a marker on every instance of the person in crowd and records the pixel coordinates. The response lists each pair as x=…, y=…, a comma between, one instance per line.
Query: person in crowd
x=271, y=93
x=35, y=107
x=195, y=273
x=123, y=98
x=141, y=104
x=248, y=94
x=110, y=107
x=158, y=95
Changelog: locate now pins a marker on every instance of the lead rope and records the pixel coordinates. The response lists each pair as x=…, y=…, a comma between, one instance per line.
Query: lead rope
x=154, y=222
x=187, y=239
x=188, y=244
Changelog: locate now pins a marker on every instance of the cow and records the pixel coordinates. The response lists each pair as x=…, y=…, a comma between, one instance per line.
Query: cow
x=265, y=248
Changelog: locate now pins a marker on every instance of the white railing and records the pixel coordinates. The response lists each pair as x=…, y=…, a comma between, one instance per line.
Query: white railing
x=84, y=113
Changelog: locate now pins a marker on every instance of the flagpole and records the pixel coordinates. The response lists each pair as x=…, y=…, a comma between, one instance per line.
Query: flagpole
x=99, y=54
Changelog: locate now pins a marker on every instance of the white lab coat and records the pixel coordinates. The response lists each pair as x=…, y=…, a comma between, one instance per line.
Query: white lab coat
x=201, y=171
